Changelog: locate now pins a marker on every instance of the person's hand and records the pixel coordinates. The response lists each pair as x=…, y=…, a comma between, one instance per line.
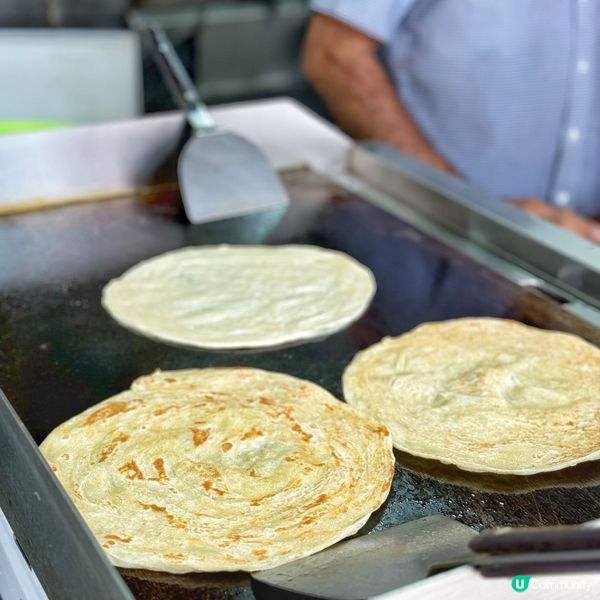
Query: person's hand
x=563, y=217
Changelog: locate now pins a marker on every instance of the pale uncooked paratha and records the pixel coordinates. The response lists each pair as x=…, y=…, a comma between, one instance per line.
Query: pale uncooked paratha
x=221, y=470
x=484, y=394
x=241, y=296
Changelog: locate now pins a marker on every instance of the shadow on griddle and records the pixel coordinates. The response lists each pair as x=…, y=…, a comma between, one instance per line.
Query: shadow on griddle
x=228, y=351
x=189, y=586
x=586, y=474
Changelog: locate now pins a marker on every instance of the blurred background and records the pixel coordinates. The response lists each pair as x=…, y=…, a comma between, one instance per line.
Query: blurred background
x=85, y=61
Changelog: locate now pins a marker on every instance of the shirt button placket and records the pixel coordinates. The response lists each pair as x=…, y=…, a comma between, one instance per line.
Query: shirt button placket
x=562, y=198
x=563, y=192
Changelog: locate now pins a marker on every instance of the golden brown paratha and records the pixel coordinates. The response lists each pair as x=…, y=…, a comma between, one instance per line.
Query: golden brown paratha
x=484, y=394
x=241, y=296
x=221, y=470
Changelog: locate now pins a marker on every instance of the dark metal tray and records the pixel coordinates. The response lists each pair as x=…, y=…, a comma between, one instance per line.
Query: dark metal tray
x=60, y=352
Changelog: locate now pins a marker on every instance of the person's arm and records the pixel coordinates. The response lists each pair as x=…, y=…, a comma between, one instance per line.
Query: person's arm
x=342, y=64
x=563, y=217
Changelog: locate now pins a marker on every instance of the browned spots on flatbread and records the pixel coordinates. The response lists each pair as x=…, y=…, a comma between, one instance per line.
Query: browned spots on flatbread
x=53, y=467
x=264, y=400
x=252, y=473
x=200, y=435
x=387, y=484
x=291, y=458
x=260, y=553
x=131, y=470
x=253, y=433
x=110, y=448
x=380, y=430
x=159, y=465
x=482, y=445
x=305, y=436
x=162, y=411
x=113, y=537
x=328, y=408
x=307, y=470
x=173, y=556
x=170, y=379
x=336, y=457
x=305, y=521
x=236, y=537
x=77, y=491
x=317, y=501
x=109, y=410
x=226, y=446
x=286, y=411
x=208, y=485
x=171, y=520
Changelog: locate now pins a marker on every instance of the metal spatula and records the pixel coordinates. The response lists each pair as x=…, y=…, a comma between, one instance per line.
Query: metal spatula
x=221, y=174
x=369, y=565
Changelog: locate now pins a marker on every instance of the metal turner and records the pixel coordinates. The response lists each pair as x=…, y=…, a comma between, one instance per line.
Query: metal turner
x=369, y=565
x=221, y=174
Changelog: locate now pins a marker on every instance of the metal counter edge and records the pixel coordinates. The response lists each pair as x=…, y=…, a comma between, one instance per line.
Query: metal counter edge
x=52, y=534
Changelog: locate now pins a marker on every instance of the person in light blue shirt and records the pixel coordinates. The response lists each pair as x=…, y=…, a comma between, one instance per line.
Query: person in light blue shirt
x=503, y=93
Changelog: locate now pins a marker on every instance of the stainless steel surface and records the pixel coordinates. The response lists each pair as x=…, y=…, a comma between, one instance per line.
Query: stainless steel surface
x=60, y=548
x=70, y=75
x=492, y=261
x=558, y=257
x=369, y=565
x=221, y=174
x=17, y=578
x=94, y=160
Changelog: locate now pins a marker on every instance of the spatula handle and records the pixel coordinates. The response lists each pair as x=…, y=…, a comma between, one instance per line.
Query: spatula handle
x=181, y=84
x=538, y=539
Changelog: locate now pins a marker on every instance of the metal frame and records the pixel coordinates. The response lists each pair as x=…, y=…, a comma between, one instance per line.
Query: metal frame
x=563, y=259
x=54, y=538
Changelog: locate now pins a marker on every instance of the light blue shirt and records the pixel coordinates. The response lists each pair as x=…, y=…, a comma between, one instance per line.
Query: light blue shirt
x=508, y=91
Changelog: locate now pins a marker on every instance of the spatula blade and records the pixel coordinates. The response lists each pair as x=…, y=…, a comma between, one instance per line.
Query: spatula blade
x=223, y=175
x=368, y=565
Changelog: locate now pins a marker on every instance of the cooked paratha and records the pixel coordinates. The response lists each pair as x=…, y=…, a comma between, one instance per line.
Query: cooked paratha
x=227, y=297
x=484, y=394
x=221, y=469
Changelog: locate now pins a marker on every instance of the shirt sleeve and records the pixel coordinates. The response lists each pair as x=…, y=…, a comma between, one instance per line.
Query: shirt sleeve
x=378, y=19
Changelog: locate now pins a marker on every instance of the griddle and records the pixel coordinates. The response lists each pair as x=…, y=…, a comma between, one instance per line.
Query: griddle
x=60, y=352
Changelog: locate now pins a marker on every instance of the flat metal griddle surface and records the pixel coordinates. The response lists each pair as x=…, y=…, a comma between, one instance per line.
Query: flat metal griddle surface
x=60, y=352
